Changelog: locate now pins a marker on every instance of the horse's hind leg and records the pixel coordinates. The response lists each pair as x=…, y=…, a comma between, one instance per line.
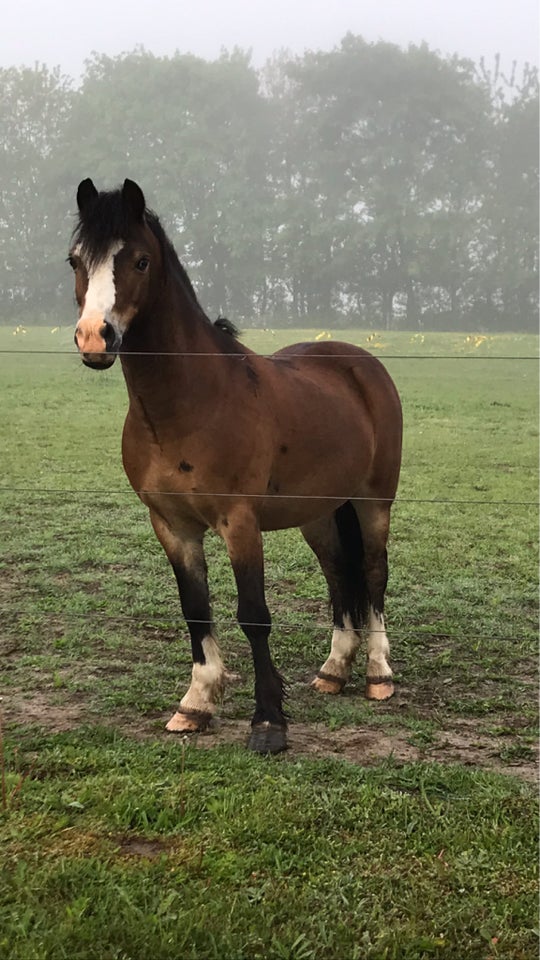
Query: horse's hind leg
x=186, y=555
x=374, y=520
x=323, y=537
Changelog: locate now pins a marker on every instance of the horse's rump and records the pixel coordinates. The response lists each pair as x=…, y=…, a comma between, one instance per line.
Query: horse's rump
x=337, y=428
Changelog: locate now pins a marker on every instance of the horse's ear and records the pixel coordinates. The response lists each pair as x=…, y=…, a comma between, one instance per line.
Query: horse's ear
x=133, y=198
x=85, y=193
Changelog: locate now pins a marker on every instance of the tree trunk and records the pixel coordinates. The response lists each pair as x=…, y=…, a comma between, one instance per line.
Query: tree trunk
x=454, y=304
x=388, y=308
x=413, y=319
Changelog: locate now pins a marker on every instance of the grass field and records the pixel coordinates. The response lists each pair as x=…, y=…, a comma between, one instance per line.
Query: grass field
x=401, y=830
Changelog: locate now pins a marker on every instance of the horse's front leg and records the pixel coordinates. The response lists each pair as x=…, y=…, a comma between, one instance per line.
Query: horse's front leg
x=244, y=544
x=186, y=555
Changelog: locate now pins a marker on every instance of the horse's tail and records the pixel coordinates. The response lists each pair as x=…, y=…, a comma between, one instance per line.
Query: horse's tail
x=354, y=587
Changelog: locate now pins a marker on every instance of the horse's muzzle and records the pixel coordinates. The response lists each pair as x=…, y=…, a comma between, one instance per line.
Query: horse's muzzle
x=98, y=343
x=98, y=362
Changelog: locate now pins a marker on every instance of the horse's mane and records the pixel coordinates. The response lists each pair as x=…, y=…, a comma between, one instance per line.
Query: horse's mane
x=227, y=326
x=170, y=256
x=106, y=219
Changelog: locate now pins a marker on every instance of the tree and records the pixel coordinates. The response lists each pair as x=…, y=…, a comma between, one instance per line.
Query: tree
x=193, y=133
x=508, y=282
x=384, y=140
x=368, y=185
x=34, y=107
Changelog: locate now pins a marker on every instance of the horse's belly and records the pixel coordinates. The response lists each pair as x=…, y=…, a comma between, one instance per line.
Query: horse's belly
x=284, y=512
x=315, y=488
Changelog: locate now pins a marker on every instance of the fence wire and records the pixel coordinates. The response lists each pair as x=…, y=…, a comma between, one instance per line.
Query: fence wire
x=59, y=491
x=154, y=619
x=269, y=356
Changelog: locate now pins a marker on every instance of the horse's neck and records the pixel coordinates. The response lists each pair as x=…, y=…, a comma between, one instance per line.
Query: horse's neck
x=159, y=362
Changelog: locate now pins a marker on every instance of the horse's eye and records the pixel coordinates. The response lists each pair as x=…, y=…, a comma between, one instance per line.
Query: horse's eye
x=72, y=262
x=142, y=264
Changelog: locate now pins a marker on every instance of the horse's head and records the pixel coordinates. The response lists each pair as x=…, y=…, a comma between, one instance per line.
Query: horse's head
x=113, y=255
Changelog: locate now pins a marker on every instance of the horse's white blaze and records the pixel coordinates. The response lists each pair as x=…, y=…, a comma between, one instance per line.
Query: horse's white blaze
x=207, y=680
x=101, y=292
x=378, y=647
x=345, y=643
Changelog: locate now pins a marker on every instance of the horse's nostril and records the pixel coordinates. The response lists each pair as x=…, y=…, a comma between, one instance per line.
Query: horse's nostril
x=109, y=335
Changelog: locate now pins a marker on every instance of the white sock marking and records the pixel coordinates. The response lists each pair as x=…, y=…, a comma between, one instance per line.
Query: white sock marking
x=345, y=643
x=207, y=680
x=378, y=648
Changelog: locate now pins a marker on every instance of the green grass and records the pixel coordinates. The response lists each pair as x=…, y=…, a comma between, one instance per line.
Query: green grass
x=294, y=857
x=122, y=849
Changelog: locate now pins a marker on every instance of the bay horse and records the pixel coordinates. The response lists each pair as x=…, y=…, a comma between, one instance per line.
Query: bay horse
x=218, y=437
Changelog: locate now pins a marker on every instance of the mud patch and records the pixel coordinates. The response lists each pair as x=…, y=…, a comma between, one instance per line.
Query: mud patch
x=141, y=848
x=37, y=710
x=366, y=746
x=460, y=742
x=356, y=744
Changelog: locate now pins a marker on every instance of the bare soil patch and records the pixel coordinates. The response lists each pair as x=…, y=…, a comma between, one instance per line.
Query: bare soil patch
x=36, y=709
x=365, y=746
x=460, y=741
x=140, y=847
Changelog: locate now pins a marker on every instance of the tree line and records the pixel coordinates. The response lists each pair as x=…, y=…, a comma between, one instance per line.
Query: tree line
x=366, y=186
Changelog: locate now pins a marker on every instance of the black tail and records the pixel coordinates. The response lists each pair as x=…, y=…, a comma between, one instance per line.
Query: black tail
x=353, y=594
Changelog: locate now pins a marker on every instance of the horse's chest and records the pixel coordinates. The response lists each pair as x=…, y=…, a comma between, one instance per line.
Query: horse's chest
x=171, y=479
x=151, y=469
x=169, y=491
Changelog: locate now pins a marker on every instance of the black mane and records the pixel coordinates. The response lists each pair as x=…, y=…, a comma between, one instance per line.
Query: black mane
x=227, y=326
x=170, y=256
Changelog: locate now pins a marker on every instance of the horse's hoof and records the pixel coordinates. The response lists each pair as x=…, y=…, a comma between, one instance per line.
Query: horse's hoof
x=188, y=721
x=379, y=688
x=268, y=738
x=324, y=683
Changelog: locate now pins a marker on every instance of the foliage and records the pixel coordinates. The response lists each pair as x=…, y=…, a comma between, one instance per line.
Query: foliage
x=371, y=185
x=35, y=105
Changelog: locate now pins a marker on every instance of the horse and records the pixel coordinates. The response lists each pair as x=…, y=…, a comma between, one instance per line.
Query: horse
x=218, y=437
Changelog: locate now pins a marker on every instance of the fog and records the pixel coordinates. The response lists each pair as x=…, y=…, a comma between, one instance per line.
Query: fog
x=58, y=33
x=313, y=164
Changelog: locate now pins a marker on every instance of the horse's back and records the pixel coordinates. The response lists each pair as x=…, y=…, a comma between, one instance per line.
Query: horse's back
x=331, y=362
x=327, y=349
x=334, y=354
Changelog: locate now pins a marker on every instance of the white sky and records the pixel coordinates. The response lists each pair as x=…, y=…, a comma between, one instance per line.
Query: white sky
x=60, y=33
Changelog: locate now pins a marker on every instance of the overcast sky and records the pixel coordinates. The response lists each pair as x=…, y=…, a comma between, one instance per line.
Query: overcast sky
x=60, y=33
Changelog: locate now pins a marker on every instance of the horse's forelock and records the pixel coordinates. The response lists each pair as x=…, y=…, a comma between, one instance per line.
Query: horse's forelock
x=104, y=221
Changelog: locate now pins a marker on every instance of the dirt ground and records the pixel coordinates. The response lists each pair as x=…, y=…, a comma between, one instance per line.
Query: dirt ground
x=461, y=741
